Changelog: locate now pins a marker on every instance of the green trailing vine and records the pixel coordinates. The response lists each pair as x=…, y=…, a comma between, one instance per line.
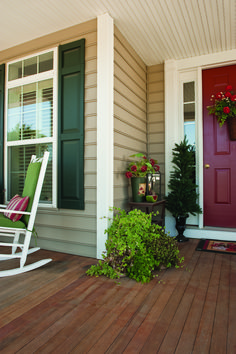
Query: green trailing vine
x=136, y=247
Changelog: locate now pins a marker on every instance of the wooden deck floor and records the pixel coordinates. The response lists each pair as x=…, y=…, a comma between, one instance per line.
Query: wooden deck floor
x=58, y=309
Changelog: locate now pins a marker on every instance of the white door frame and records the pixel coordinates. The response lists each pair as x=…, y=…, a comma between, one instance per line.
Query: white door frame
x=177, y=72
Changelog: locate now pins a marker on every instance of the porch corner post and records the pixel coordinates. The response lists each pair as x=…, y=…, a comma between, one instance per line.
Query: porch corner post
x=172, y=128
x=105, y=126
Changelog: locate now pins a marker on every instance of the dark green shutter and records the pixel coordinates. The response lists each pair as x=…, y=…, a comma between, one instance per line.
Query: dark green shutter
x=71, y=126
x=2, y=87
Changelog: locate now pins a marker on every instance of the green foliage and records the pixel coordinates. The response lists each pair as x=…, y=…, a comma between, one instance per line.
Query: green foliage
x=182, y=198
x=136, y=247
x=223, y=105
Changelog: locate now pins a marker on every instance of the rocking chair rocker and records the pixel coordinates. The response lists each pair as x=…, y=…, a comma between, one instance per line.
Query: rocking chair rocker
x=13, y=230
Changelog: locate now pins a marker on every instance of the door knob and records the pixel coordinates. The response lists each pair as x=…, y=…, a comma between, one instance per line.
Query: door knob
x=207, y=165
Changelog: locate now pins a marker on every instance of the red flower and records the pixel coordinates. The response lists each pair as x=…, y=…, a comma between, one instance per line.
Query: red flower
x=228, y=94
x=152, y=162
x=144, y=157
x=133, y=168
x=229, y=88
x=128, y=174
x=157, y=168
x=144, y=168
x=233, y=98
x=226, y=110
x=218, y=96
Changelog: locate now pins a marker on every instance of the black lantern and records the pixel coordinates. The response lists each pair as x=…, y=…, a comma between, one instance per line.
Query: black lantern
x=153, y=186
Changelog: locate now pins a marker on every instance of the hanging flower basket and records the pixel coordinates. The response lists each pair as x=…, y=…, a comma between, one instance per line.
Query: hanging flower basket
x=224, y=108
x=231, y=122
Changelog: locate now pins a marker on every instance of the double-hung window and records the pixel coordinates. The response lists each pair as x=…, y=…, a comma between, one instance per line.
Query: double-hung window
x=44, y=110
x=30, y=120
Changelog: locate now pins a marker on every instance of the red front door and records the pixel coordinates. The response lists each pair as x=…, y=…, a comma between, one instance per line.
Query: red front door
x=219, y=154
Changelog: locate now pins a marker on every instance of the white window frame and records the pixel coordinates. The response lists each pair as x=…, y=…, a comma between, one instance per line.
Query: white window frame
x=51, y=74
x=186, y=77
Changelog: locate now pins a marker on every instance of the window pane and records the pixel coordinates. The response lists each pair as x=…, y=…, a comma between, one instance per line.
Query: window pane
x=15, y=71
x=14, y=114
x=189, y=131
x=189, y=111
x=45, y=111
x=189, y=92
x=30, y=111
x=46, y=62
x=28, y=125
x=19, y=159
x=30, y=66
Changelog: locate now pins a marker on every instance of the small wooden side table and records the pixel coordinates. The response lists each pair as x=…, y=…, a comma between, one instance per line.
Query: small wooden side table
x=150, y=207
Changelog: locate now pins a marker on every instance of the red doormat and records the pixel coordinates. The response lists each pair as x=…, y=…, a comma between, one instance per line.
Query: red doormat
x=217, y=246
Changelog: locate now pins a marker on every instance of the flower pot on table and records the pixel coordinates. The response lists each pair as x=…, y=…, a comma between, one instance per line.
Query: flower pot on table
x=138, y=185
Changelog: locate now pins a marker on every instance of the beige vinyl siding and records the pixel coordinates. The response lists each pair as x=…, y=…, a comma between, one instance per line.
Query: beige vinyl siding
x=130, y=118
x=69, y=230
x=156, y=116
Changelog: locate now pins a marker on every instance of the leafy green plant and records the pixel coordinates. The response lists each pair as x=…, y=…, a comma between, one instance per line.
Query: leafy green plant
x=136, y=247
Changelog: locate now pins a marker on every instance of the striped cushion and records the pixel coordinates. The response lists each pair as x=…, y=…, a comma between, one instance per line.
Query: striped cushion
x=16, y=203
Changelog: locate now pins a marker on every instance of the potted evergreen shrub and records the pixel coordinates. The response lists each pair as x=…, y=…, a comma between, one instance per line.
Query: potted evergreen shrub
x=182, y=198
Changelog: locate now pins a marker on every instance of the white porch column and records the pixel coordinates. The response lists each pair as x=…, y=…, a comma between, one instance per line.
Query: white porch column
x=172, y=129
x=105, y=134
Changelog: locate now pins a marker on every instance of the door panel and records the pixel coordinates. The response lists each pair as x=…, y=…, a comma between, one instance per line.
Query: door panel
x=219, y=155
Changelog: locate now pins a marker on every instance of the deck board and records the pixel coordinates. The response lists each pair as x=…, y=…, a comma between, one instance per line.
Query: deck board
x=203, y=337
x=219, y=335
x=58, y=309
x=231, y=338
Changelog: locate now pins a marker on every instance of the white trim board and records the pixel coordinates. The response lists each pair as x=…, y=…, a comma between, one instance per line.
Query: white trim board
x=213, y=234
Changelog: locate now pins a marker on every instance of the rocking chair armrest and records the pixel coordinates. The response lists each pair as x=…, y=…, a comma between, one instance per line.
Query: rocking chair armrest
x=15, y=211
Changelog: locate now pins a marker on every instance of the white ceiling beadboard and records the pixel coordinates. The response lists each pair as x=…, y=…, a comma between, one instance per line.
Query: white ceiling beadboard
x=157, y=29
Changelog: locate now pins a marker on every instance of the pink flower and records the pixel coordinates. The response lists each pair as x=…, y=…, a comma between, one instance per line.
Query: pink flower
x=128, y=174
x=157, y=168
x=134, y=168
x=229, y=88
x=228, y=94
x=144, y=168
x=226, y=110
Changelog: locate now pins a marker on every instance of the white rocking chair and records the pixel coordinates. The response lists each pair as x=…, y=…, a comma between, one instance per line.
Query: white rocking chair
x=13, y=230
